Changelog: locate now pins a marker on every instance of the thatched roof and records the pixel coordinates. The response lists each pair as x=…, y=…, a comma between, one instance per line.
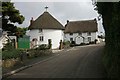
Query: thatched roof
x=81, y=26
x=46, y=21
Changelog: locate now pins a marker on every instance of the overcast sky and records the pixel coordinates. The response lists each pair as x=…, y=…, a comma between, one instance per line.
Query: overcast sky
x=62, y=11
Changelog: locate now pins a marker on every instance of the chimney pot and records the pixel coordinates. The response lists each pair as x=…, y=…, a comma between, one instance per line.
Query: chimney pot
x=67, y=21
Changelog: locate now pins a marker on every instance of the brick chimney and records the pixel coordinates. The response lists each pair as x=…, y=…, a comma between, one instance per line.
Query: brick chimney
x=67, y=23
x=31, y=21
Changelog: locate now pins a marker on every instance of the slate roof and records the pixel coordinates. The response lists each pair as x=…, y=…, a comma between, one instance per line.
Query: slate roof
x=46, y=21
x=81, y=26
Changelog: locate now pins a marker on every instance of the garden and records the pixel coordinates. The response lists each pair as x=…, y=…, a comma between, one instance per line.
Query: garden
x=15, y=58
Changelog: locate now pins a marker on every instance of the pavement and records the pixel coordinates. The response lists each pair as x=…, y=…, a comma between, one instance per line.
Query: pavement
x=76, y=62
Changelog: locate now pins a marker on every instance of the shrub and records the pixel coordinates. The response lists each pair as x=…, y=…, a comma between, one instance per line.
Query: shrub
x=82, y=44
x=66, y=43
x=37, y=53
x=42, y=47
x=72, y=44
x=14, y=53
x=92, y=42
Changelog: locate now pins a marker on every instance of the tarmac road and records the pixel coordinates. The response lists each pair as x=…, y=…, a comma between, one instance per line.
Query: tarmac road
x=77, y=62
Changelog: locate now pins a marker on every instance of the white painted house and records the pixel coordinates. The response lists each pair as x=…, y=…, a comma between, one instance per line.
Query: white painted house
x=45, y=28
x=4, y=39
x=81, y=31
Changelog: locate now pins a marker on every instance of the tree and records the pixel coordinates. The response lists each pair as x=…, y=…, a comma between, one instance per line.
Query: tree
x=21, y=31
x=111, y=21
x=10, y=15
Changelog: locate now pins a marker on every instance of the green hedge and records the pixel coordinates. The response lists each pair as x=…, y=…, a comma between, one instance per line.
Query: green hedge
x=14, y=53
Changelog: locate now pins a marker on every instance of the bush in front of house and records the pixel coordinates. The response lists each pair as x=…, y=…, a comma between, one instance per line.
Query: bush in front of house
x=42, y=47
x=37, y=53
x=72, y=44
x=9, y=52
x=82, y=44
x=92, y=42
x=13, y=53
x=42, y=50
x=66, y=44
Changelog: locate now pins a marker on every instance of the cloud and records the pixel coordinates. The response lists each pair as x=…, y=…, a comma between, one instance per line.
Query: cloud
x=62, y=11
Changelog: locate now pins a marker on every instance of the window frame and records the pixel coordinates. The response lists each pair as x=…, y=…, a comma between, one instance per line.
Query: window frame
x=40, y=30
x=71, y=34
x=71, y=39
x=80, y=34
x=89, y=39
x=88, y=33
x=41, y=38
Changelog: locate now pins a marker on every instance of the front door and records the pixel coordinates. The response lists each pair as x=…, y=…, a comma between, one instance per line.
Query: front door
x=79, y=40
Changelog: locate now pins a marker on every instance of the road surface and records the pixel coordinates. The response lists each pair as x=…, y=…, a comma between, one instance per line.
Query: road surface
x=77, y=62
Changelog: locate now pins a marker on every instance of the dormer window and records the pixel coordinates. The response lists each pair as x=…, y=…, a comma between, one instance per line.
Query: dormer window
x=80, y=34
x=40, y=30
x=71, y=34
x=89, y=33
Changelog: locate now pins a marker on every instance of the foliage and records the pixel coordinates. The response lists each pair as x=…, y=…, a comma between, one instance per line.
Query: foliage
x=9, y=51
x=10, y=15
x=92, y=42
x=21, y=31
x=82, y=44
x=72, y=43
x=13, y=53
x=37, y=53
x=111, y=21
x=42, y=47
x=66, y=43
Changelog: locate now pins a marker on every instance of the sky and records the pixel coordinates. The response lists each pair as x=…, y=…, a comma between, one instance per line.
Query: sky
x=62, y=11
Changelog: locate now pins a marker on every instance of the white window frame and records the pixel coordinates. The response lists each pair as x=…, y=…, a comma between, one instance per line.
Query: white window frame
x=41, y=38
x=71, y=34
x=89, y=39
x=88, y=33
x=40, y=30
x=71, y=39
x=80, y=34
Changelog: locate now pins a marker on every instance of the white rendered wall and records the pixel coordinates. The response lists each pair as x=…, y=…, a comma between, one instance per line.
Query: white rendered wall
x=78, y=39
x=54, y=35
x=1, y=45
x=94, y=36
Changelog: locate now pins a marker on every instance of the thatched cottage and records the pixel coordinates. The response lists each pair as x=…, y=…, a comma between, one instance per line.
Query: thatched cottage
x=44, y=29
x=81, y=31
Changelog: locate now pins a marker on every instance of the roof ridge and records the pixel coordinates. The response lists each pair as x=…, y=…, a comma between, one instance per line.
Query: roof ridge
x=82, y=20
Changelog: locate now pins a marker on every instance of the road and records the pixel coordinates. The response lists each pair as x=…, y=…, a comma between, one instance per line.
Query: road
x=77, y=62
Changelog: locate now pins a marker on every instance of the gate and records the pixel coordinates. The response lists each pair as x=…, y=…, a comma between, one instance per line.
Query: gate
x=24, y=43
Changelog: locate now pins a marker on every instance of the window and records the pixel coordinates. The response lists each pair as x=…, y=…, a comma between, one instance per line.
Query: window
x=40, y=30
x=41, y=38
x=71, y=39
x=71, y=34
x=89, y=39
x=89, y=33
x=80, y=34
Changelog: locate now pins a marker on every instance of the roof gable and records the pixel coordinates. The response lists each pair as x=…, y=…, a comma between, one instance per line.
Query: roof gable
x=46, y=21
x=81, y=26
